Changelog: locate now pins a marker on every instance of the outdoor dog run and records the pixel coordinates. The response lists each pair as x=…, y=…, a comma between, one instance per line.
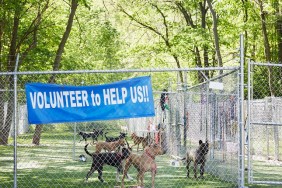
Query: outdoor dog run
x=136, y=131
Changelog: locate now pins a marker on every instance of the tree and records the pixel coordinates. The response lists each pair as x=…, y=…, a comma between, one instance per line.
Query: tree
x=164, y=34
x=56, y=65
x=16, y=38
x=189, y=21
x=215, y=34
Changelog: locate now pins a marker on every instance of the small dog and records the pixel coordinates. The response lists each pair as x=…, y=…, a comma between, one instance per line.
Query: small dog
x=109, y=146
x=85, y=135
x=139, y=140
x=112, y=159
x=99, y=132
x=112, y=139
x=143, y=163
x=198, y=156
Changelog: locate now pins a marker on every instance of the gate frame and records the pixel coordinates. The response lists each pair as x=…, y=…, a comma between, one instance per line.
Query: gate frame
x=250, y=92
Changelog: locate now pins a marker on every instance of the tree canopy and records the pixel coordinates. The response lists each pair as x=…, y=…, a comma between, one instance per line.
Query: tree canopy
x=125, y=34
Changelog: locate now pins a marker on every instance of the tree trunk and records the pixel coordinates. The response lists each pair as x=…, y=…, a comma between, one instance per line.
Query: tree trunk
x=64, y=39
x=279, y=35
x=6, y=125
x=266, y=48
x=246, y=18
x=215, y=34
x=57, y=61
x=203, y=25
x=189, y=22
x=37, y=134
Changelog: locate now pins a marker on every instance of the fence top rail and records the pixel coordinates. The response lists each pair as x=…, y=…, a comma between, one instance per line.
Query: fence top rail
x=215, y=78
x=118, y=71
x=265, y=64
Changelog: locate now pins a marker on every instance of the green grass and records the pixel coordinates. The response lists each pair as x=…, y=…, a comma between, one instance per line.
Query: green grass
x=51, y=165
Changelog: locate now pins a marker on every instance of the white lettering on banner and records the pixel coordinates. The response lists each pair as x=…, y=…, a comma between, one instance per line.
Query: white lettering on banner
x=139, y=94
x=96, y=99
x=57, y=99
x=84, y=98
x=47, y=105
x=79, y=98
x=40, y=100
x=112, y=96
x=72, y=99
x=66, y=94
x=53, y=100
x=60, y=99
x=123, y=94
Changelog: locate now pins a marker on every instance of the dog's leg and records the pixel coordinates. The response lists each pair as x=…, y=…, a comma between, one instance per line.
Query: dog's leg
x=202, y=169
x=195, y=169
x=138, y=177
x=141, y=177
x=119, y=170
x=100, y=172
x=126, y=167
x=129, y=177
x=187, y=166
x=90, y=172
x=153, y=174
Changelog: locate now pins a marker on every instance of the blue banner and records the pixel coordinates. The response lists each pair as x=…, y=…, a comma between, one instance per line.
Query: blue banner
x=53, y=103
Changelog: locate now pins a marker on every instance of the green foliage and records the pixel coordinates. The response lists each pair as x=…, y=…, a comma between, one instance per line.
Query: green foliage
x=104, y=37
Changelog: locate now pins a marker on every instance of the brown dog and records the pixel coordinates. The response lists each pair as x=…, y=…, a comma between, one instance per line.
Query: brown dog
x=198, y=156
x=109, y=146
x=143, y=163
x=139, y=140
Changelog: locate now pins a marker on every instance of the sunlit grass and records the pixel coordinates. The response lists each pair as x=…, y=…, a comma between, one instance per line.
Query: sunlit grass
x=55, y=164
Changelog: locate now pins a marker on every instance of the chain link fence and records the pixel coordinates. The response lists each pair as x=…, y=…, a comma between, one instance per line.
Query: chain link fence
x=264, y=124
x=53, y=155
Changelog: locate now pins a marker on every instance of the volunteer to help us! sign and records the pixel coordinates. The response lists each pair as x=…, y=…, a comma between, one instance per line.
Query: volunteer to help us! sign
x=52, y=103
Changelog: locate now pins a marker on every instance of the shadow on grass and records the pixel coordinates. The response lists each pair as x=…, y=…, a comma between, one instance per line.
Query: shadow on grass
x=51, y=165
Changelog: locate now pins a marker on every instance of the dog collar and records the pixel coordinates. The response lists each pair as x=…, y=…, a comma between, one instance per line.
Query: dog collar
x=153, y=157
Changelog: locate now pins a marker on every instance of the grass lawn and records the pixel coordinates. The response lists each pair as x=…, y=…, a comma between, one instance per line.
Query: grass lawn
x=53, y=164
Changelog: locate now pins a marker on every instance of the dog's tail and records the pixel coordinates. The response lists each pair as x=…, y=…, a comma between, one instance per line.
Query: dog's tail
x=86, y=151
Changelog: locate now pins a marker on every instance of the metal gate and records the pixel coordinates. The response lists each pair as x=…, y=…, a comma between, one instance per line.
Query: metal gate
x=193, y=113
x=264, y=131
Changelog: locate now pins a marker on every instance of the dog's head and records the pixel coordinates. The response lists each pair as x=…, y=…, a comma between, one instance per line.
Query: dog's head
x=122, y=135
x=125, y=152
x=203, y=147
x=133, y=135
x=80, y=133
x=154, y=149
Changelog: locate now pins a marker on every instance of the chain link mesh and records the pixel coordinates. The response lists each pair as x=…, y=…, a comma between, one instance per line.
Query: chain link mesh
x=54, y=155
x=265, y=133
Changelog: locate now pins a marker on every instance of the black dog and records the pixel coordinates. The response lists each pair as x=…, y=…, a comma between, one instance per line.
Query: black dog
x=112, y=159
x=94, y=135
x=198, y=156
x=85, y=135
x=99, y=132
x=112, y=139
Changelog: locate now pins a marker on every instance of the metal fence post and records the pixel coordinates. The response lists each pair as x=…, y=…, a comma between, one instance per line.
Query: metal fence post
x=248, y=121
x=15, y=120
x=241, y=106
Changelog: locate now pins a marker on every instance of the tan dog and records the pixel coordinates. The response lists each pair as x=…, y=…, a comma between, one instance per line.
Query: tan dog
x=139, y=140
x=143, y=163
x=109, y=146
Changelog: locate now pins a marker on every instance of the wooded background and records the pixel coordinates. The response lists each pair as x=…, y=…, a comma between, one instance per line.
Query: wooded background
x=53, y=35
